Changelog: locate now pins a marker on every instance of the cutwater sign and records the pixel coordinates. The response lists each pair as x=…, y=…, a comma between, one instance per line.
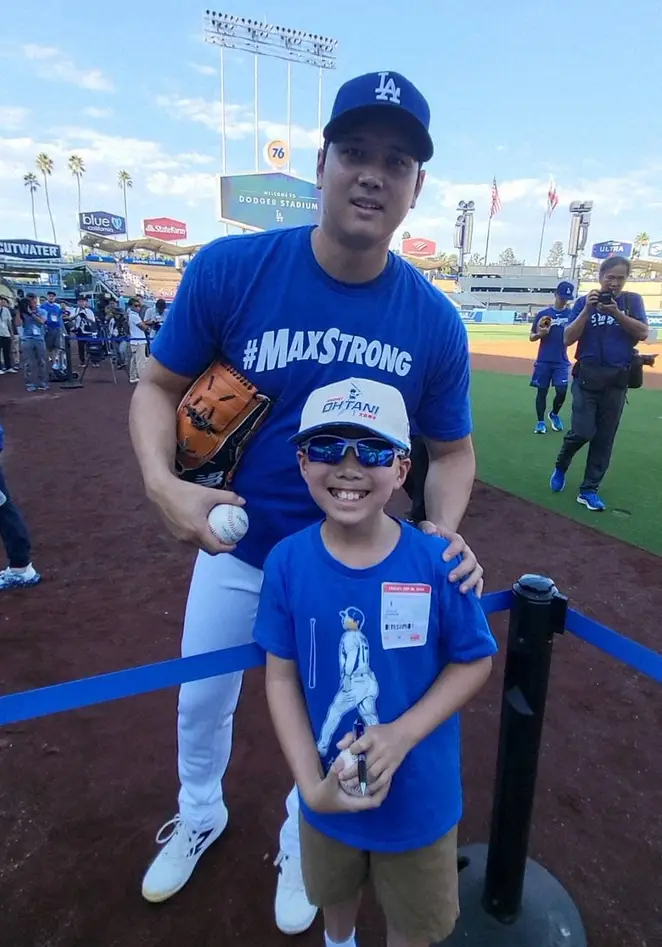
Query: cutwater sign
x=102, y=223
x=30, y=250
x=268, y=201
x=600, y=251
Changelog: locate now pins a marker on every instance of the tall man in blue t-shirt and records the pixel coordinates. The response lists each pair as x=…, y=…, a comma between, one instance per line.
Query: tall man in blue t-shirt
x=54, y=335
x=294, y=309
x=552, y=366
x=606, y=324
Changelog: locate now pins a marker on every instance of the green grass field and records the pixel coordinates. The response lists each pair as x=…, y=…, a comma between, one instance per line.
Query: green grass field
x=498, y=333
x=511, y=457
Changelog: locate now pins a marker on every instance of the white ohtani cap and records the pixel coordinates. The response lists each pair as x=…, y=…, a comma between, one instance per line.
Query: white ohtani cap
x=357, y=402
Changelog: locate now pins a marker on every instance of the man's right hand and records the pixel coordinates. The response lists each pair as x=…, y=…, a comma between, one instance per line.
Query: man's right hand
x=592, y=300
x=185, y=507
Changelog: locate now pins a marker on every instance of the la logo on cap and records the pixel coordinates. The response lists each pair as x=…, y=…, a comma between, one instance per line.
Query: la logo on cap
x=387, y=91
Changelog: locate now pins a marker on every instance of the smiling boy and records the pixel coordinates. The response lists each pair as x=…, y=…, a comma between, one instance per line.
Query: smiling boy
x=361, y=626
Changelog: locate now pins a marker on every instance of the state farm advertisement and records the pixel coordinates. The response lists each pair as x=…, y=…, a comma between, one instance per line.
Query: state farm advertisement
x=419, y=246
x=165, y=228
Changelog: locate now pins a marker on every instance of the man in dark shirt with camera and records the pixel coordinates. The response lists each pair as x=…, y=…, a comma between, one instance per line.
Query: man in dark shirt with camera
x=607, y=324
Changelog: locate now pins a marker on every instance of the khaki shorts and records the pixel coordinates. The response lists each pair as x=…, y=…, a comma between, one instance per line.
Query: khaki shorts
x=417, y=890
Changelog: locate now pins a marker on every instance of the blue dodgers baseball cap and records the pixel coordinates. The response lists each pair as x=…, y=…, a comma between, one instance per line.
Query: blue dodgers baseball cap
x=565, y=290
x=381, y=93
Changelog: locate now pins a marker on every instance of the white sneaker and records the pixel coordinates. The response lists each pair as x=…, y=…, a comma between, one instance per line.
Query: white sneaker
x=173, y=866
x=294, y=912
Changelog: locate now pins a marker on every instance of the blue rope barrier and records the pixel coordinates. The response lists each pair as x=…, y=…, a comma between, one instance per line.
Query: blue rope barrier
x=618, y=646
x=102, y=688
x=28, y=705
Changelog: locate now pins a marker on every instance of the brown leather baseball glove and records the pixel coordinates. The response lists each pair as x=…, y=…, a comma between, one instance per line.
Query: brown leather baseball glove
x=216, y=419
x=545, y=322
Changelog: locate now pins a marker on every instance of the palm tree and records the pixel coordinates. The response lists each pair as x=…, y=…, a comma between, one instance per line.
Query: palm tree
x=77, y=168
x=641, y=240
x=124, y=181
x=45, y=165
x=31, y=182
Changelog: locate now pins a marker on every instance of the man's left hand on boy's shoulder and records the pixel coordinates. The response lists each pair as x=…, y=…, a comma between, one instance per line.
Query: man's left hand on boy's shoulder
x=469, y=572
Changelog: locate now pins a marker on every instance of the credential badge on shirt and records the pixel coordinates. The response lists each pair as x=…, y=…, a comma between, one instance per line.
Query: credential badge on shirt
x=405, y=614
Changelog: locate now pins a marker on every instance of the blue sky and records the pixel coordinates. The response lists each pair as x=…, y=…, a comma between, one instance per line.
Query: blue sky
x=522, y=90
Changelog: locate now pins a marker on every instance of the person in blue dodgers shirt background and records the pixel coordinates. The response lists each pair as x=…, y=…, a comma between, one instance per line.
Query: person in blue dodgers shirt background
x=607, y=324
x=359, y=621
x=294, y=309
x=552, y=365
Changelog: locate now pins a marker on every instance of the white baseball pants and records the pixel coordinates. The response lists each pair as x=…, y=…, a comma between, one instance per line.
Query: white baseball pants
x=220, y=613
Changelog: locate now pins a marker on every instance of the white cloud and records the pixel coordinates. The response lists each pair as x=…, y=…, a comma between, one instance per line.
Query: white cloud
x=53, y=64
x=93, y=112
x=194, y=187
x=12, y=117
x=239, y=121
x=202, y=69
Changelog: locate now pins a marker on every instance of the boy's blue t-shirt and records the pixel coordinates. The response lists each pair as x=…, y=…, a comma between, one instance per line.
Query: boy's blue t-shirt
x=603, y=338
x=552, y=348
x=263, y=303
x=365, y=649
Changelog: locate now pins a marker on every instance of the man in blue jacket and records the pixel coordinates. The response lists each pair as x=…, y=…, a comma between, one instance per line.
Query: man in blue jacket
x=20, y=572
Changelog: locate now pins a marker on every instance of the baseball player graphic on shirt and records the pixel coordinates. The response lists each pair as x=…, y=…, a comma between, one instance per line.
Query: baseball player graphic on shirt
x=358, y=688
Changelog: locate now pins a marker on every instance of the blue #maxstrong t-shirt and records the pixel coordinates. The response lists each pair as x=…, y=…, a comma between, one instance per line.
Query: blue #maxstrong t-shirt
x=603, y=339
x=369, y=643
x=263, y=303
x=552, y=348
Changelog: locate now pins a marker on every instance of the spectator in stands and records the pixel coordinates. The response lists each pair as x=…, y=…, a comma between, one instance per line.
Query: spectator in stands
x=139, y=339
x=7, y=332
x=33, y=346
x=154, y=317
x=54, y=330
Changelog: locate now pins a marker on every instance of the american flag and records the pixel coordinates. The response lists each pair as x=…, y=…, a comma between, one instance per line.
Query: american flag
x=552, y=198
x=495, y=207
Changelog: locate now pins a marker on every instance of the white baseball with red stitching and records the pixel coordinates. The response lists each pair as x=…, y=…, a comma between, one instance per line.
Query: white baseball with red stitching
x=228, y=523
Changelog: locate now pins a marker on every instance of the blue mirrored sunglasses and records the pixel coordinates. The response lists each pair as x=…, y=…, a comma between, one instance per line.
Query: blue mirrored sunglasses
x=370, y=451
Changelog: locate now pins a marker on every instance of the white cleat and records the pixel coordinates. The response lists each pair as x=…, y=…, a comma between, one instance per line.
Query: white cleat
x=294, y=912
x=182, y=849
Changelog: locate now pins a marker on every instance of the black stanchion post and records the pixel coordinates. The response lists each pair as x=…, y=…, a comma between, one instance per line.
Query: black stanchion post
x=537, y=614
x=507, y=900
x=72, y=376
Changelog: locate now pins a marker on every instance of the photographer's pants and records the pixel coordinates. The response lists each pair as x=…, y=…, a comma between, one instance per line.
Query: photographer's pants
x=137, y=360
x=13, y=531
x=595, y=419
x=414, y=485
x=34, y=362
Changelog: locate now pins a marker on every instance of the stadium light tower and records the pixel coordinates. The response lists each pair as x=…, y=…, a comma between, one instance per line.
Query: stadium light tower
x=279, y=42
x=580, y=216
x=464, y=229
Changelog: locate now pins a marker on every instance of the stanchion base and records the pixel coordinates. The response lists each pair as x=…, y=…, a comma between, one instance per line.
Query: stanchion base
x=72, y=384
x=549, y=916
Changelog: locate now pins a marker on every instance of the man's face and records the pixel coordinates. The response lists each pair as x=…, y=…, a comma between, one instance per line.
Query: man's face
x=51, y=297
x=32, y=302
x=369, y=182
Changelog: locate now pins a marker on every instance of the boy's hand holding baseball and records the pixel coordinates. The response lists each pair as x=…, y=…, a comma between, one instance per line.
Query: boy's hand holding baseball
x=328, y=795
x=385, y=748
